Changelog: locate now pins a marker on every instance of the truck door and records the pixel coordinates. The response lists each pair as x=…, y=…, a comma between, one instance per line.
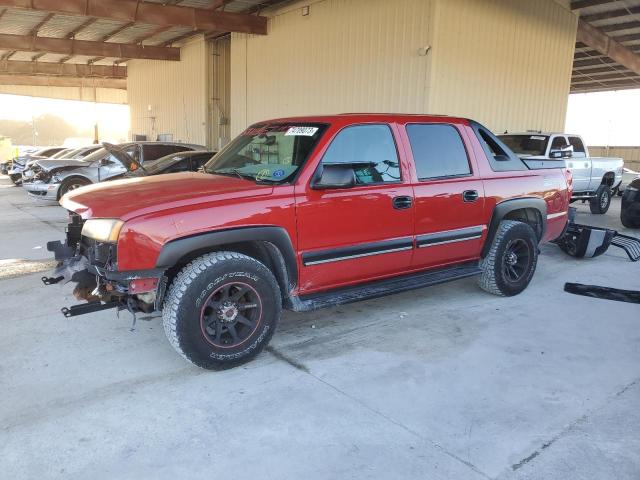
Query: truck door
x=579, y=164
x=363, y=232
x=449, y=212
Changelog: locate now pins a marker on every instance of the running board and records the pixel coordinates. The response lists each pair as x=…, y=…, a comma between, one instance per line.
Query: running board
x=383, y=287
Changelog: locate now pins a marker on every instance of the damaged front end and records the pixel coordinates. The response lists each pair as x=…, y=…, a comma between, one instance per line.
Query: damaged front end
x=92, y=265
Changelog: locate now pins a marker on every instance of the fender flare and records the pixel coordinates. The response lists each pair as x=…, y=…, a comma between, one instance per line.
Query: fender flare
x=502, y=209
x=278, y=237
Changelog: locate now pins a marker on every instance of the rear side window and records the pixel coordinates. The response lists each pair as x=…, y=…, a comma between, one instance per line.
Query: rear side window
x=153, y=152
x=501, y=158
x=578, y=147
x=370, y=149
x=438, y=151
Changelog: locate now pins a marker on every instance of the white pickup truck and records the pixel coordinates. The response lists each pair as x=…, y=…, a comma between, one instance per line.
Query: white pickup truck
x=594, y=178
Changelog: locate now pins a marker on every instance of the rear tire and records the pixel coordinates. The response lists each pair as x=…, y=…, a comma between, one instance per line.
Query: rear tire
x=511, y=262
x=602, y=202
x=221, y=310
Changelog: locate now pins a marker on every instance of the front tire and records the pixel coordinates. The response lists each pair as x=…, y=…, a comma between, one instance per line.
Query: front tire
x=71, y=184
x=511, y=262
x=221, y=310
x=600, y=205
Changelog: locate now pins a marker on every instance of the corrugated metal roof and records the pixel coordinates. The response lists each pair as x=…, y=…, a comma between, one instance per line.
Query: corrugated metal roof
x=620, y=20
x=23, y=22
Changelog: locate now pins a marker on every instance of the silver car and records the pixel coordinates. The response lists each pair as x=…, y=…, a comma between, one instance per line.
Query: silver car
x=53, y=178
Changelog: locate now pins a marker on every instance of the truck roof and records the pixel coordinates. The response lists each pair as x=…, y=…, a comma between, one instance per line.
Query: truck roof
x=370, y=117
x=541, y=133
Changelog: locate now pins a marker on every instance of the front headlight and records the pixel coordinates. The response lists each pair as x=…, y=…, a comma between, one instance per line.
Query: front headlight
x=102, y=229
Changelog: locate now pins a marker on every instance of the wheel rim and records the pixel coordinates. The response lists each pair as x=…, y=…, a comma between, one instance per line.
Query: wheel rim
x=516, y=260
x=231, y=315
x=604, y=199
x=73, y=186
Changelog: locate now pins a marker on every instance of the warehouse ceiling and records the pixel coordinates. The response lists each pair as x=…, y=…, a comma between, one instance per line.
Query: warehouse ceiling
x=58, y=42
x=607, y=55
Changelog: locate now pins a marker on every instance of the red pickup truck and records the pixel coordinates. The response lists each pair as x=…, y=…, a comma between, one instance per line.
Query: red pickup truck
x=308, y=212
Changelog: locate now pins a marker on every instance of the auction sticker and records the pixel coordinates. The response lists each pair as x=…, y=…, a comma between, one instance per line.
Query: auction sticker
x=302, y=131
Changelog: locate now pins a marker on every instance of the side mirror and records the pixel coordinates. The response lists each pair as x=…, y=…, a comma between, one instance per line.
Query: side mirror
x=334, y=176
x=104, y=162
x=564, y=152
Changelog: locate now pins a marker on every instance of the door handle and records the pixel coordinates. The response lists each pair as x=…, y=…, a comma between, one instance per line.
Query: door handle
x=470, y=195
x=400, y=203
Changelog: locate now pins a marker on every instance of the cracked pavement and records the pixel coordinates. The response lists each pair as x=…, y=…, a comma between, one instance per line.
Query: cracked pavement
x=441, y=383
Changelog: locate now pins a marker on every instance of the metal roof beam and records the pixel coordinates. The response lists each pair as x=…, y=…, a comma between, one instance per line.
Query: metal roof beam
x=622, y=12
x=577, y=4
x=606, y=45
x=151, y=13
x=616, y=27
x=56, y=81
x=62, y=69
x=66, y=46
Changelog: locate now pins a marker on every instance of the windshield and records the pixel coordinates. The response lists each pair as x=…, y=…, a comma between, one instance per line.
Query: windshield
x=267, y=152
x=165, y=162
x=526, y=144
x=61, y=153
x=68, y=153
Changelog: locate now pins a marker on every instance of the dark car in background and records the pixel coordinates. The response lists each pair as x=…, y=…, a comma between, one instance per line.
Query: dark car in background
x=630, y=210
x=173, y=163
x=53, y=178
x=19, y=163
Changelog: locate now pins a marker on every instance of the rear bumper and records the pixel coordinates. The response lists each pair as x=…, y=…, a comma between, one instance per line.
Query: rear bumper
x=42, y=191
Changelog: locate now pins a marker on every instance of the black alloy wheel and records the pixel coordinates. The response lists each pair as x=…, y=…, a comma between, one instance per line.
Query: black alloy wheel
x=231, y=315
x=516, y=260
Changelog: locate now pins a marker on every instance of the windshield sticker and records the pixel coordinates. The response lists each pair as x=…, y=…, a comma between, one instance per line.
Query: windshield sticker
x=535, y=137
x=302, y=131
x=262, y=174
x=278, y=174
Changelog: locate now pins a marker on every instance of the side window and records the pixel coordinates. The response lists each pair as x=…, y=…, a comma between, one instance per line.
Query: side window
x=197, y=161
x=155, y=151
x=558, y=142
x=578, y=147
x=180, y=166
x=438, y=151
x=500, y=157
x=370, y=149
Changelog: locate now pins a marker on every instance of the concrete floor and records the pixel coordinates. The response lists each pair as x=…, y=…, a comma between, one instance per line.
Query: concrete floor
x=441, y=383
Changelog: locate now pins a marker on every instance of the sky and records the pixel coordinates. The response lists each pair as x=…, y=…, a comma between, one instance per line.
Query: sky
x=605, y=118
x=113, y=119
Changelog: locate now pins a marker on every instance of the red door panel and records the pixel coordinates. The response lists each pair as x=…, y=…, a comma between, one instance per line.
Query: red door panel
x=330, y=222
x=449, y=195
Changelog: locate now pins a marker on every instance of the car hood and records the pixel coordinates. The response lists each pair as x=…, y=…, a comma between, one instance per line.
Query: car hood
x=130, y=198
x=52, y=164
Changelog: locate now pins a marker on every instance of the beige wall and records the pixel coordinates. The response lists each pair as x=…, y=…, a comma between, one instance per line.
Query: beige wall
x=346, y=56
x=86, y=94
x=506, y=63
x=170, y=97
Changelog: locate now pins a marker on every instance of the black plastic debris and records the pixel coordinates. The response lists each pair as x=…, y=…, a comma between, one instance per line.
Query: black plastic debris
x=605, y=293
